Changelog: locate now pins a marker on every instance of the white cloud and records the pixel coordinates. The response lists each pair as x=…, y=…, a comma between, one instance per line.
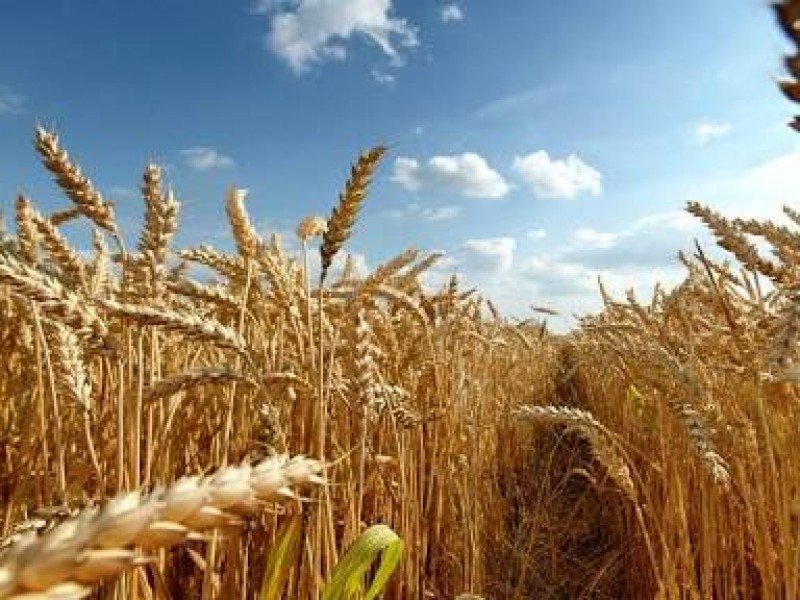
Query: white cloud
x=550, y=178
x=383, y=77
x=361, y=267
x=758, y=192
x=651, y=241
x=468, y=174
x=305, y=32
x=705, y=132
x=431, y=215
x=451, y=12
x=559, y=278
x=537, y=234
x=636, y=255
x=442, y=213
x=10, y=103
x=489, y=255
x=406, y=173
x=596, y=239
x=202, y=158
x=524, y=99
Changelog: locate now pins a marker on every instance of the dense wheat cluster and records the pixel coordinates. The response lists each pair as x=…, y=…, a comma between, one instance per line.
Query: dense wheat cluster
x=130, y=369
x=191, y=423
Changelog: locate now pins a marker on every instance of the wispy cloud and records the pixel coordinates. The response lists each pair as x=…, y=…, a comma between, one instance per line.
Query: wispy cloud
x=451, y=13
x=10, y=102
x=468, y=174
x=383, y=77
x=306, y=32
x=706, y=132
x=430, y=214
x=203, y=158
x=757, y=192
x=551, y=178
x=648, y=242
x=520, y=100
x=536, y=234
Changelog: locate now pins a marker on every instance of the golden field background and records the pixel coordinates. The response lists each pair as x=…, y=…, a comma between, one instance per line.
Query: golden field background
x=189, y=423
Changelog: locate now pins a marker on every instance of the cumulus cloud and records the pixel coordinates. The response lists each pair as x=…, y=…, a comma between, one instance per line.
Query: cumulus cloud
x=451, y=12
x=636, y=255
x=467, y=174
x=305, y=32
x=489, y=255
x=407, y=173
x=706, y=132
x=552, y=178
x=10, y=103
x=203, y=158
x=537, y=234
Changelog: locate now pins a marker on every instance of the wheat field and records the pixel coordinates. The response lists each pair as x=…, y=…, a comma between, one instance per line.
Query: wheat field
x=190, y=423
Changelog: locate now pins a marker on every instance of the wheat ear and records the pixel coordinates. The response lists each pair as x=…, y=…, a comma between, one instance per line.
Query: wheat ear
x=188, y=324
x=599, y=438
x=246, y=238
x=788, y=14
x=53, y=298
x=341, y=221
x=72, y=377
x=98, y=545
x=63, y=255
x=27, y=235
x=160, y=225
x=77, y=187
x=169, y=386
x=733, y=240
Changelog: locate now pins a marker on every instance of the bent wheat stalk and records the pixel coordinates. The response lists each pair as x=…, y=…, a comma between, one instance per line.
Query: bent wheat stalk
x=100, y=544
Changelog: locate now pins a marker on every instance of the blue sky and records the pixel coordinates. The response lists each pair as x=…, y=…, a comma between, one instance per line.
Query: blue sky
x=539, y=144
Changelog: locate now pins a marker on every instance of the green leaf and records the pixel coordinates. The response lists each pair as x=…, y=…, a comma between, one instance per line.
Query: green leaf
x=378, y=542
x=281, y=559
